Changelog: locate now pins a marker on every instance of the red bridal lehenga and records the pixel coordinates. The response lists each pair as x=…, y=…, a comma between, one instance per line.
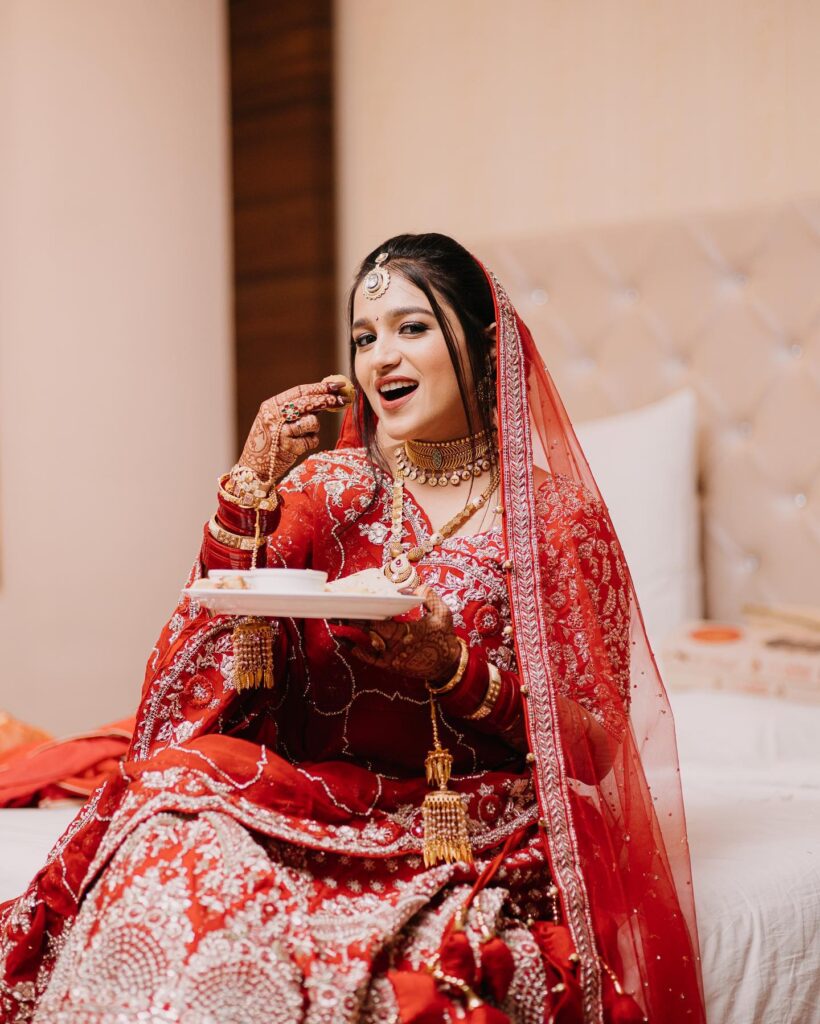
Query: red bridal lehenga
x=258, y=855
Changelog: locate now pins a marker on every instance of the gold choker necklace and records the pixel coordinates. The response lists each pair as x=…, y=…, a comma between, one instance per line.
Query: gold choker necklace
x=438, y=463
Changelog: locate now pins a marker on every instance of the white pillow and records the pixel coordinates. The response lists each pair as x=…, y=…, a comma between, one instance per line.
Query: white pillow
x=645, y=465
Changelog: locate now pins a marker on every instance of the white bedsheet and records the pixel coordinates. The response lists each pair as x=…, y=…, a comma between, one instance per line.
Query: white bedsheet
x=751, y=775
x=753, y=816
x=26, y=836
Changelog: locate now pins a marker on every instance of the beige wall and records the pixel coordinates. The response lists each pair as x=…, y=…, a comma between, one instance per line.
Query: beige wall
x=480, y=118
x=115, y=386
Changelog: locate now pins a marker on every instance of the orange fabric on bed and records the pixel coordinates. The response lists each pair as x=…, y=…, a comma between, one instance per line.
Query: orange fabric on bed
x=72, y=767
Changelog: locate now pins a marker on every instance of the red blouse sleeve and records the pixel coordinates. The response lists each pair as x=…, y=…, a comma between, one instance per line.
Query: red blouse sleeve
x=287, y=530
x=506, y=717
x=188, y=689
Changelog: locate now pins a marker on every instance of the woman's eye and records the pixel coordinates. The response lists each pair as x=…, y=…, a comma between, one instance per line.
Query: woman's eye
x=364, y=339
x=413, y=328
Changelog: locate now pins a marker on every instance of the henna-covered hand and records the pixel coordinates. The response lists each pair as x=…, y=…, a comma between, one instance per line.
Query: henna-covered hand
x=426, y=648
x=285, y=428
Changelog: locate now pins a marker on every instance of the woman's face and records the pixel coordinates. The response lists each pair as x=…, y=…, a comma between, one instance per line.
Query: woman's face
x=403, y=366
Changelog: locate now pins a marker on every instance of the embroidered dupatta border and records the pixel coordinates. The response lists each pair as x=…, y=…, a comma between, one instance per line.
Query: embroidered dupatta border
x=532, y=652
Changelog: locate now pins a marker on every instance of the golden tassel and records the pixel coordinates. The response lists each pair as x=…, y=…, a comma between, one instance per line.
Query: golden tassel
x=252, y=655
x=445, y=818
x=438, y=763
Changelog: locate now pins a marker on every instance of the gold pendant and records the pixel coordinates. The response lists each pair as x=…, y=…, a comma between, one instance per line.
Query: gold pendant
x=399, y=570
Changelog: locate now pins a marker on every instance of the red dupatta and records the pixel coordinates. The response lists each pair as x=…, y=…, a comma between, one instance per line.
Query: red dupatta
x=613, y=826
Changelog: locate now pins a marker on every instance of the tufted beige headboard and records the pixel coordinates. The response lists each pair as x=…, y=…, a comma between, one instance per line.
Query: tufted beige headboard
x=726, y=303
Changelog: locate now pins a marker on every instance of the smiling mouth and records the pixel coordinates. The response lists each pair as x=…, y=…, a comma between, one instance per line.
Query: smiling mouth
x=392, y=392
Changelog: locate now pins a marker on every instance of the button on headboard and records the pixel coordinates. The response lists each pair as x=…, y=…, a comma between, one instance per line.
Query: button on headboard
x=730, y=305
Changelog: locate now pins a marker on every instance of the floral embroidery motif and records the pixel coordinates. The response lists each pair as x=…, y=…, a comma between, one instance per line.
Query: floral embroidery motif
x=572, y=524
x=487, y=620
x=198, y=691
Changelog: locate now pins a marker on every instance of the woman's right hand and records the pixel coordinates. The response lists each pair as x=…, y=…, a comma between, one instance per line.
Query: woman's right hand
x=285, y=428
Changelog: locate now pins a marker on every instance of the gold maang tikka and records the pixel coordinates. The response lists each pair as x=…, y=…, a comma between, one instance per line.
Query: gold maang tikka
x=377, y=281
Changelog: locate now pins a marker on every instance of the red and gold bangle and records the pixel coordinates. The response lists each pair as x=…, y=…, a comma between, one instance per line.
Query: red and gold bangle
x=240, y=516
x=243, y=521
x=490, y=697
x=456, y=678
x=214, y=555
x=470, y=687
x=231, y=540
x=251, y=498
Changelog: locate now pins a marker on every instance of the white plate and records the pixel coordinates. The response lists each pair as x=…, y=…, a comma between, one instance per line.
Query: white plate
x=324, y=605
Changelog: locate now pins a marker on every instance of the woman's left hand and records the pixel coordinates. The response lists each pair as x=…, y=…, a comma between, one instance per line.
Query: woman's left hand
x=426, y=648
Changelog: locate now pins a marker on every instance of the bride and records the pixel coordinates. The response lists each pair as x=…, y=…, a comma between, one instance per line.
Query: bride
x=469, y=812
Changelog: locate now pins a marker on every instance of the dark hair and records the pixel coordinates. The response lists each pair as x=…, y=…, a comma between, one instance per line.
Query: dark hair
x=438, y=266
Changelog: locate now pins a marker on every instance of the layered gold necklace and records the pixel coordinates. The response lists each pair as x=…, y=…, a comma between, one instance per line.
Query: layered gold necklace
x=439, y=463
x=401, y=568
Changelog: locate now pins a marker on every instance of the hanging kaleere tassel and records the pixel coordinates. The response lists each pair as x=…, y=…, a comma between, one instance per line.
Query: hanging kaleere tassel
x=445, y=819
x=252, y=654
x=253, y=639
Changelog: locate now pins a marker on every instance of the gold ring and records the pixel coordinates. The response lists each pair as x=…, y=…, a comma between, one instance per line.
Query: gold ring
x=290, y=412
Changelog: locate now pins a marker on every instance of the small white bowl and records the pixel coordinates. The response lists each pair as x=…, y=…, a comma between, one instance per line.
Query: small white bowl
x=277, y=581
x=288, y=581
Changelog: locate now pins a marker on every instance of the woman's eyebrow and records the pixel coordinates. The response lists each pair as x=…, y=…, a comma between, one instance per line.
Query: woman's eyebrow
x=394, y=314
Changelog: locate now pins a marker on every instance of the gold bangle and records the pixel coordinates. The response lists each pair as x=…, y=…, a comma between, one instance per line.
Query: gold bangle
x=456, y=678
x=248, y=501
x=491, y=696
x=231, y=540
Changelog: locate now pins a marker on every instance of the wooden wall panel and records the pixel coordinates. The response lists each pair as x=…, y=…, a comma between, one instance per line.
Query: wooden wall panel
x=283, y=197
